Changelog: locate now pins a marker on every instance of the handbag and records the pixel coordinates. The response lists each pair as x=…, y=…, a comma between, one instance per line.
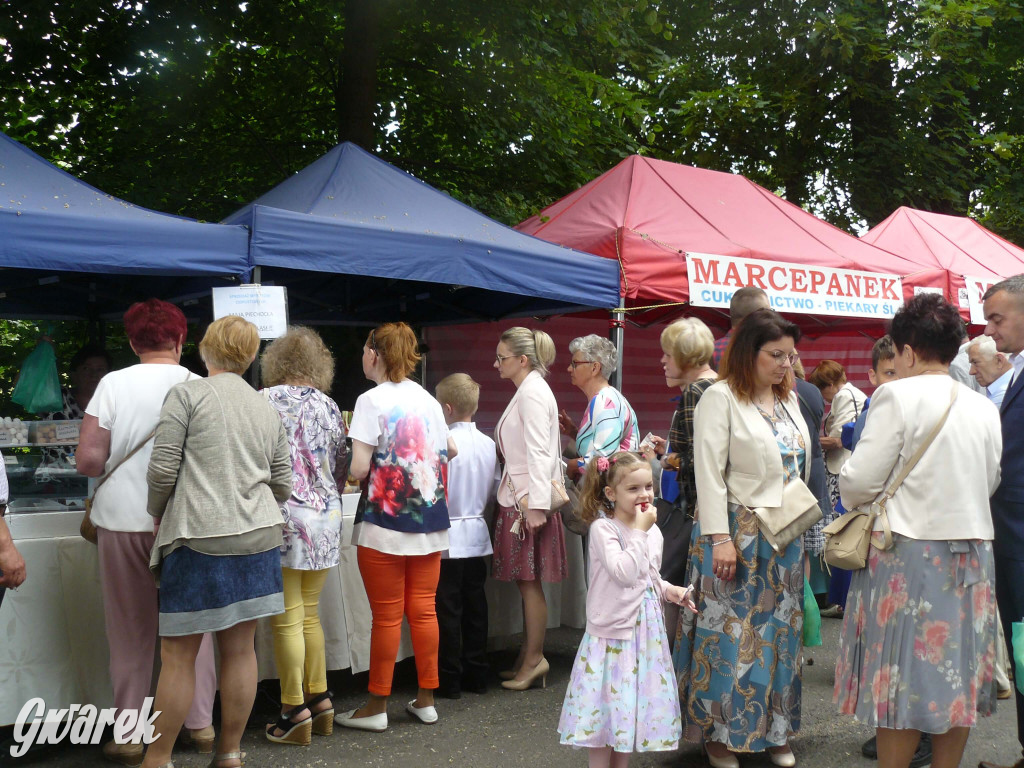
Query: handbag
x=848, y=539
x=675, y=526
x=559, y=498
x=570, y=512
x=86, y=527
x=799, y=511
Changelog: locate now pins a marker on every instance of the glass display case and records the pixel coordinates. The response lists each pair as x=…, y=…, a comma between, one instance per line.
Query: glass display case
x=39, y=457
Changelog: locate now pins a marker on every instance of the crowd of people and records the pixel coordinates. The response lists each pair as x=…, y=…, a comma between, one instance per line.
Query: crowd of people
x=221, y=505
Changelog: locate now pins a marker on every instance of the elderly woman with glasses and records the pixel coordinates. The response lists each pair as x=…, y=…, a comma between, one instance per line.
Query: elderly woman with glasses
x=738, y=658
x=609, y=423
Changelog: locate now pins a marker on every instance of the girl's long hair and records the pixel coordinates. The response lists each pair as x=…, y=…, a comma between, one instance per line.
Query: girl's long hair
x=592, y=498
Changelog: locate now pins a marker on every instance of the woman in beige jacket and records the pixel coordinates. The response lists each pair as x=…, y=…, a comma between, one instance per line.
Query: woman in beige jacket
x=529, y=543
x=738, y=658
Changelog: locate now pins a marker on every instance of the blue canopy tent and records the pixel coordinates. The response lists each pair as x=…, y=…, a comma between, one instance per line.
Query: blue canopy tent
x=356, y=240
x=68, y=250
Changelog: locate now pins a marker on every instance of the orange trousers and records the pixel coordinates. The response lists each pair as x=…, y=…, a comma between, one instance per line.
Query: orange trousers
x=400, y=585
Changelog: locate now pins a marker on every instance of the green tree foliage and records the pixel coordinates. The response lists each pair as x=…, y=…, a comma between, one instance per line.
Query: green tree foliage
x=847, y=107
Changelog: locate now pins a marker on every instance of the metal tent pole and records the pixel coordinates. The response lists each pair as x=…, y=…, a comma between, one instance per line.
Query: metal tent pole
x=616, y=332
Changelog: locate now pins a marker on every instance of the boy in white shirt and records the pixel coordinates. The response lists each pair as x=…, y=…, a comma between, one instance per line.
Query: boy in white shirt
x=472, y=484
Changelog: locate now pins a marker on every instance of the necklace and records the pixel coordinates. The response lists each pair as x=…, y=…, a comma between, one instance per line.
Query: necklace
x=760, y=403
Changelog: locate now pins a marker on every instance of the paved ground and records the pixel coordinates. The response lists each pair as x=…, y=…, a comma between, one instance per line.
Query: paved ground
x=504, y=728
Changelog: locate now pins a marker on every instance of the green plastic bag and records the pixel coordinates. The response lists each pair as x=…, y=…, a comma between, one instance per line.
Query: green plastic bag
x=38, y=387
x=812, y=618
x=1018, y=654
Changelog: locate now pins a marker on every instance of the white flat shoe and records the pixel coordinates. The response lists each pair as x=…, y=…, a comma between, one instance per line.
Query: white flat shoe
x=783, y=759
x=426, y=715
x=377, y=723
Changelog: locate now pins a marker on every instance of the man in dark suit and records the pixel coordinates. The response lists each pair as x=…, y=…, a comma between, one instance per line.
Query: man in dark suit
x=812, y=407
x=1004, y=313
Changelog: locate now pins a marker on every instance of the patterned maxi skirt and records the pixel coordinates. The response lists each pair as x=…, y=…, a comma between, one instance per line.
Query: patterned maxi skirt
x=918, y=641
x=738, y=658
x=622, y=693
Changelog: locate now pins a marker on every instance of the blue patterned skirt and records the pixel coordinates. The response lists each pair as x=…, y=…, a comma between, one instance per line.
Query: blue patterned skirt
x=738, y=658
x=207, y=593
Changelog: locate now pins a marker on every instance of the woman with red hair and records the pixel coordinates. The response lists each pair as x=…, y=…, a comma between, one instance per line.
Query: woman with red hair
x=116, y=441
x=401, y=446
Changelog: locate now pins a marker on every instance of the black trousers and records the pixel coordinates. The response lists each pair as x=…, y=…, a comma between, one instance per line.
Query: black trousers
x=1010, y=597
x=462, y=623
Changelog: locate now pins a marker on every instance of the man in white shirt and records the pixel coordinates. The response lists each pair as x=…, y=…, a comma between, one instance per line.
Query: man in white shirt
x=461, y=602
x=990, y=368
x=959, y=369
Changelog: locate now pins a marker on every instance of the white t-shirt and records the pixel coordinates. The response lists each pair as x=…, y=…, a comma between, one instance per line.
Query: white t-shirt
x=472, y=484
x=406, y=482
x=127, y=403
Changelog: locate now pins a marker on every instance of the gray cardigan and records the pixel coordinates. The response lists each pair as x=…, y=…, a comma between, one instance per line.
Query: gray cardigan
x=220, y=465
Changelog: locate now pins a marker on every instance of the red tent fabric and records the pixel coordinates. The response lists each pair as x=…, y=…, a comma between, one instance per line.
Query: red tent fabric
x=649, y=213
x=956, y=244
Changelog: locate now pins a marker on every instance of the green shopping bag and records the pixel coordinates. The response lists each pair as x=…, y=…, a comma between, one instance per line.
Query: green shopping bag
x=38, y=387
x=1018, y=654
x=812, y=618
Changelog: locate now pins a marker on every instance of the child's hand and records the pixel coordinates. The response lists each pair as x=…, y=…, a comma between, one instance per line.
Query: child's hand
x=681, y=596
x=646, y=516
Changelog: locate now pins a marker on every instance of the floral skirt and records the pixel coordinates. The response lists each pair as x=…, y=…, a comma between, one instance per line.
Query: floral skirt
x=621, y=693
x=539, y=555
x=738, y=658
x=918, y=641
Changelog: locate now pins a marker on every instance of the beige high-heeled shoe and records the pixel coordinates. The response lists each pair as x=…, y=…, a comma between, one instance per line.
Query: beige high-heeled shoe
x=540, y=671
x=729, y=761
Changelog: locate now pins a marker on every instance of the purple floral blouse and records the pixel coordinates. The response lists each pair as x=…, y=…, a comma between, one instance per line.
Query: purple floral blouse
x=320, y=459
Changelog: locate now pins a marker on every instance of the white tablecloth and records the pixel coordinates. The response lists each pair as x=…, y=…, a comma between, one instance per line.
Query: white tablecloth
x=53, y=643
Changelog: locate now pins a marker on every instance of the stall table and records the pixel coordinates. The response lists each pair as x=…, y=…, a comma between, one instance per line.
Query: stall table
x=53, y=642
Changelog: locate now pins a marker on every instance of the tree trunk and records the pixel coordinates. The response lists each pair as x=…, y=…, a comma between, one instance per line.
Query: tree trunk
x=357, y=79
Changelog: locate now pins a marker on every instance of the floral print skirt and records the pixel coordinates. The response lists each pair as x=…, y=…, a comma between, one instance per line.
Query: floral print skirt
x=622, y=693
x=918, y=640
x=538, y=555
x=738, y=658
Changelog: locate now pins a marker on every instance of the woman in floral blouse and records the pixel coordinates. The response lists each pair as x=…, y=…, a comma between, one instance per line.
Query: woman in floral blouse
x=297, y=370
x=401, y=445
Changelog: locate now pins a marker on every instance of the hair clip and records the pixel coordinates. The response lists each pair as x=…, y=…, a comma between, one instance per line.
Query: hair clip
x=602, y=464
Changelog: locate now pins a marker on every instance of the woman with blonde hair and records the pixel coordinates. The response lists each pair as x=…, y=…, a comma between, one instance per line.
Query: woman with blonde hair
x=400, y=444
x=529, y=543
x=219, y=472
x=297, y=370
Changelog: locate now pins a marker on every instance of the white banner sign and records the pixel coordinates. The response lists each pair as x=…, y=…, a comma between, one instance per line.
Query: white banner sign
x=265, y=306
x=976, y=287
x=794, y=287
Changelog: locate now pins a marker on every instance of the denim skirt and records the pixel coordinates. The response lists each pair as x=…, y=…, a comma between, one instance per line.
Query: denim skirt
x=207, y=593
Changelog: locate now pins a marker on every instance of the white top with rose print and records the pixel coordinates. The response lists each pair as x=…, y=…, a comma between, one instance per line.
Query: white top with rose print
x=405, y=511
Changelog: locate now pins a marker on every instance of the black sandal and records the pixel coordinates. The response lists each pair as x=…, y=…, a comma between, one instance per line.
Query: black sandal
x=323, y=721
x=300, y=733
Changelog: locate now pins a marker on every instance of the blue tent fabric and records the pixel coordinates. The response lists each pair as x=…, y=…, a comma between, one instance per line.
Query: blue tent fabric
x=351, y=214
x=49, y=220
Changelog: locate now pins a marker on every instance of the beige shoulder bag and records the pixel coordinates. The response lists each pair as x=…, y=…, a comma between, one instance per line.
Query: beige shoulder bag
x=848, y=538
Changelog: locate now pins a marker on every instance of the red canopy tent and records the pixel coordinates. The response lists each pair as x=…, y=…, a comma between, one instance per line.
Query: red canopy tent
x=648, y=214
x=973, y=257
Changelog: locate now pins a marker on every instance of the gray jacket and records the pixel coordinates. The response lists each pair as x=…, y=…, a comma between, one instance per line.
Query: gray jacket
x=220, y=465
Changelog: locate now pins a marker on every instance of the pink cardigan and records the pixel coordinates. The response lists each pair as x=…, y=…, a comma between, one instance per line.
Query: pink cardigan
x=618, y=576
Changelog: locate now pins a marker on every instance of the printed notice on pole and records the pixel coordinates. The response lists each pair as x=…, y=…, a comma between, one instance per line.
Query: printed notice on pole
x=794, y=287
x=265, y=306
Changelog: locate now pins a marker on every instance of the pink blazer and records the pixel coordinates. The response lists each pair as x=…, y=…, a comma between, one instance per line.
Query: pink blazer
x=527, y=436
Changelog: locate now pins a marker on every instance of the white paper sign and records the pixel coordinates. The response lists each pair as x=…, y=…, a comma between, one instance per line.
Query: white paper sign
x=976, y=287
x=265, y=306
x=794, y=287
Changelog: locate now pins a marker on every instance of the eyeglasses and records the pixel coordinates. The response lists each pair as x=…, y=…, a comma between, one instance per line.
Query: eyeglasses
x=372, y=343
x=503, y=358
x=780, y=357
x=575, y=363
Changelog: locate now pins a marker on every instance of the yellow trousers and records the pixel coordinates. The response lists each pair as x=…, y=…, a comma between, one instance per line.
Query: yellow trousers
x=299, y=638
